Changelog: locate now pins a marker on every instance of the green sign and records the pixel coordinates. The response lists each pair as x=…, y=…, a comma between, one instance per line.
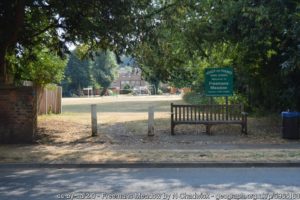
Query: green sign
x=219, y=82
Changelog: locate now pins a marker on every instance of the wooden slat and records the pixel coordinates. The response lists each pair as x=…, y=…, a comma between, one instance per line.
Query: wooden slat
x=207, y=113
x=240, y=111
x=176, y=116
x=219, y=112
x=235, y=109
x=180, y=116
x=179, y=113
x=215, y=112
x=222, y=111
x=235, y=112
x=229, y=110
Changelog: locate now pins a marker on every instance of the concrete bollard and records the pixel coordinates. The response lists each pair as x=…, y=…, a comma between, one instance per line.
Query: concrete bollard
x=94, y=119
x=151, y=121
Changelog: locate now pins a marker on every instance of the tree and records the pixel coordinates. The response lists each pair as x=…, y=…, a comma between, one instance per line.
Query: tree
x=259, y=39
x=84, y=72
x=77, y=75
x=173, y=40
x=42, y=68
x=268, y=32
x=55, y=24
x=103, y=69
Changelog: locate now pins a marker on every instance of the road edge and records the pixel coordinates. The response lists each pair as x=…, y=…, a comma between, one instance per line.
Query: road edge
x=150, y=165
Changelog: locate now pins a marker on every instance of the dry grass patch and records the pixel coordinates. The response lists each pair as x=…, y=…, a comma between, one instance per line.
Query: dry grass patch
x=48, y=154
x=122, y=136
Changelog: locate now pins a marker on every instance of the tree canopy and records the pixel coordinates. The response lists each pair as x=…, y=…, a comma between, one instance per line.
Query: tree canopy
x=172, y=41
x=55, y=24
x=259, y=39
x=104, y=69
x=98, y=72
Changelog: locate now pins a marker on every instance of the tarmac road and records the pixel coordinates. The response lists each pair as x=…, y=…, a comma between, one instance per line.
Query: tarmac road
x=150, y=183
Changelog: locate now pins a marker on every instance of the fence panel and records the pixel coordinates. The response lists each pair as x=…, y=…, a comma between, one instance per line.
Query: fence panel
x=50, y=100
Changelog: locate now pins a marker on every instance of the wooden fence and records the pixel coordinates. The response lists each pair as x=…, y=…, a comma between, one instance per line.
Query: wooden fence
x=50, y=100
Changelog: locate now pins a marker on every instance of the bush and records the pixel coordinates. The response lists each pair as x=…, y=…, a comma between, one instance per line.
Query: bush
x=164, y=89
x=159, y=92
x=126, y=89
x=196, y=98
x=110, y=92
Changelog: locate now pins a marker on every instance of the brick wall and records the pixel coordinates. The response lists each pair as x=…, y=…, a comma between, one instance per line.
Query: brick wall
x=18, y=114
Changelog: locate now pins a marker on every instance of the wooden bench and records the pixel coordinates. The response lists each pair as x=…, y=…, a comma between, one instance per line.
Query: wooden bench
x=208, y=115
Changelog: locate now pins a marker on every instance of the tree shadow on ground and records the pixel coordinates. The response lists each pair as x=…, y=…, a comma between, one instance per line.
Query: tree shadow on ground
x=64, y=133
x=135, y=133
x=55, y=145
x=49, y=183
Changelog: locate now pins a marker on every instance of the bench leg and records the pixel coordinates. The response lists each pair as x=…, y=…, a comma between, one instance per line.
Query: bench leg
x=244, y=124
x=172, y=129
x=244, y=129
x=208, y=129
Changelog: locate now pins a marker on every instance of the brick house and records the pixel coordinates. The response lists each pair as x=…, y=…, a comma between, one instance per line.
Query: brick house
x=131, y=77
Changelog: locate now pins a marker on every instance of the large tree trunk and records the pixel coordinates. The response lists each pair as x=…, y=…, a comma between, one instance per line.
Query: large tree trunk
x=103, y=92
x=12, y=22
x=2, y=66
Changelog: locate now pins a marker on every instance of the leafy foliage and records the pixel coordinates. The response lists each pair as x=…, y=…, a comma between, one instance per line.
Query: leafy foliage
x=259, y=39
x=196, y=98
x=103, y=69
x=42, y=68
x=55, y=24
x=77, y=75
x=81, y=73
x=172, y=41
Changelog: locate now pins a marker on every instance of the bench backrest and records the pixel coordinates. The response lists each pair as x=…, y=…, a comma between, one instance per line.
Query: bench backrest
x=207, y=112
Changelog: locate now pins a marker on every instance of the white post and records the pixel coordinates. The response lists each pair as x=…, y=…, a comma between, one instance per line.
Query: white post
x=61, y=99
x=94, y=119
x=55, y=101
x=151, y=121
x=46, y=104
